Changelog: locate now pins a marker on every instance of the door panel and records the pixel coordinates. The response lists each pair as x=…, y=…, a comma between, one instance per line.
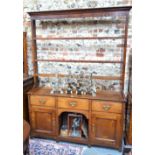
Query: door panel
x=106, y=129
x=43, y=120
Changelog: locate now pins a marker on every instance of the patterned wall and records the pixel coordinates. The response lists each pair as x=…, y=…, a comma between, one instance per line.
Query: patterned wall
x=79, y=49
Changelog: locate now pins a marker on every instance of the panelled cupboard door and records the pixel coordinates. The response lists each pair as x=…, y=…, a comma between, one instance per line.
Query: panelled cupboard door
x=106, y=129
x=43, y=120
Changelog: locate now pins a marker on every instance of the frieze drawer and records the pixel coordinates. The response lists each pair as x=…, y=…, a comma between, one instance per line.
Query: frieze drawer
x=43, y=101
x=107, y=106
x=72, y=103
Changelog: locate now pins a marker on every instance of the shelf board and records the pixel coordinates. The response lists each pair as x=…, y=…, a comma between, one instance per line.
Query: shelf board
x=105, y=95
x=78, y=61
x=73, y=139
x=94, y=77
x=80, y=13
x=76, y=38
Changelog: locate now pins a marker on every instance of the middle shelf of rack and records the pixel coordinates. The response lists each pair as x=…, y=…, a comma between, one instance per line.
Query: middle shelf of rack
x=77, y=38
x=79, y=61
x=94, y=77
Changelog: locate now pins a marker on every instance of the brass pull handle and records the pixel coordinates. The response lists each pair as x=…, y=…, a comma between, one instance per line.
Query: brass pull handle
x=106, y=107
x=42, y=101
x=73, y=104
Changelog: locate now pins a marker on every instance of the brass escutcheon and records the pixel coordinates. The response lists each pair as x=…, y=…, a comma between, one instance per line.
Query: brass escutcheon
x=42, y=101
x=73, y=104
x=106, y=107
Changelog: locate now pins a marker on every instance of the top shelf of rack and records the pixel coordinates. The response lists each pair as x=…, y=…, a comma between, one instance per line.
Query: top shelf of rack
x=80, y=13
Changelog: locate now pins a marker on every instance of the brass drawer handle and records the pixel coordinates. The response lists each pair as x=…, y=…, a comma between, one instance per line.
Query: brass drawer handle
x=42, y=101
x=106, y=107
x=73, y=104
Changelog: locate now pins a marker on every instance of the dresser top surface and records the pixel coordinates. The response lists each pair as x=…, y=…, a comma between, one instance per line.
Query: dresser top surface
x=104, y=95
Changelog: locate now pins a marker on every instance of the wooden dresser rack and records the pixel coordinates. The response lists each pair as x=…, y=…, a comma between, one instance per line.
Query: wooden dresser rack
x=104, y=112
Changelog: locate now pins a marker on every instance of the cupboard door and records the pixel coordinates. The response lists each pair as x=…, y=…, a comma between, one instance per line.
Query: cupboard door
x=43, y=121
x=106, y=129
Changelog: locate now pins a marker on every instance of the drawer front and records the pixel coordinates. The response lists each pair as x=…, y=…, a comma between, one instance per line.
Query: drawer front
x=106, y=106
x=71, y=103
x=43, y=101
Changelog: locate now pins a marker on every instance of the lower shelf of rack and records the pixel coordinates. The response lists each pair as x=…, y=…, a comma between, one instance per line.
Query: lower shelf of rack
x=73, y=139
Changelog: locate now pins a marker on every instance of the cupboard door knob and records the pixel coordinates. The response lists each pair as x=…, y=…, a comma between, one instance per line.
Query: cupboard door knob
x=106, y=107
x=42, y=101
x=73, y=104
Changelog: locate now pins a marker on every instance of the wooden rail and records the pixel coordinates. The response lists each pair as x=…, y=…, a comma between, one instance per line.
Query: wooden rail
x=76, y=38
x=25, y=53
x=94, y=77
x=80, y=13
x=78, y=61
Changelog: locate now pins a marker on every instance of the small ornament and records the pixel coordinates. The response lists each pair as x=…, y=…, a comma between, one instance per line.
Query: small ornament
x=78, y=89
x=69, y=89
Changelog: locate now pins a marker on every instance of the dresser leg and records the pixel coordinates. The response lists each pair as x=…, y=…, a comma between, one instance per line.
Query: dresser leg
x=57, y=141
x=89, y=145
x=121, y=148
